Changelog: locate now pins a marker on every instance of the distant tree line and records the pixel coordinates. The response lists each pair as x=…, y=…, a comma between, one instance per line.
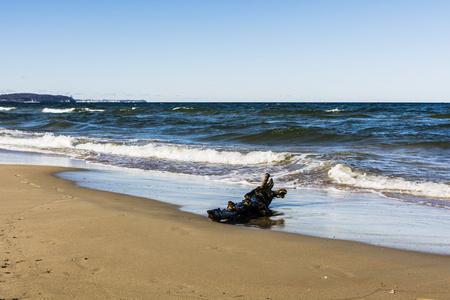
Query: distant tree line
x=39, y=98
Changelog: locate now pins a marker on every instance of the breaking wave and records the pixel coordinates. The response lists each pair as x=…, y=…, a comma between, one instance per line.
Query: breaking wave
x=185, y=154
x=25, y=141
x=347, y=176
x=42, y=142
x=293, y=170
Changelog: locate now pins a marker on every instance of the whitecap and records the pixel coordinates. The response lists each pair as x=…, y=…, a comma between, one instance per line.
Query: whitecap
x=93, y=110
x=7, y=108
x=183, y=108
x=335, y=110
x=57, y=110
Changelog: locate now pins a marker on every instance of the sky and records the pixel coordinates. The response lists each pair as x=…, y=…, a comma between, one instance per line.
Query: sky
x=228, y=50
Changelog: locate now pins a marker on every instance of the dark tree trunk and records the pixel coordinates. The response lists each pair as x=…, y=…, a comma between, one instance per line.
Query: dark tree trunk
x=255, y=205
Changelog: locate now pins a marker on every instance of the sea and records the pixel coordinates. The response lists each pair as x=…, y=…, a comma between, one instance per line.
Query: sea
x=376, y=173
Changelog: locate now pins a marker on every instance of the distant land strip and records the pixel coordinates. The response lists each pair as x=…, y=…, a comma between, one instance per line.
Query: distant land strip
x=44, y=98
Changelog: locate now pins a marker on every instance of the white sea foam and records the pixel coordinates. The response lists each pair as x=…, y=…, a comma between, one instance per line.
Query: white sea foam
x=346, y=176
x=7, y=108
x=69, y=110
x=334, y=110
x=22, y=140
x=29, y=140
x=181, y=153
x=184, y=108
x=11, y=132
x=94, y=110
x=57, y=110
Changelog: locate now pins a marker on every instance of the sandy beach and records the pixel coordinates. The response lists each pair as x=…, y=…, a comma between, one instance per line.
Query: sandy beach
x=61, y=241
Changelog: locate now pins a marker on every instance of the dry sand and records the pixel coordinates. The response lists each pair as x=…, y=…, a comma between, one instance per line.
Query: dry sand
x=60, y=241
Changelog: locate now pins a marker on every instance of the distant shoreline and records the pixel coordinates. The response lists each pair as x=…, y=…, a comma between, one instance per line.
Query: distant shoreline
x=45, y=98
x=111, y=101
x=35, y=98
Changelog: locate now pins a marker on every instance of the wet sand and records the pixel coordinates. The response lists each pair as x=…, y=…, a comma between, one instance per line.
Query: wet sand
x=60, y=241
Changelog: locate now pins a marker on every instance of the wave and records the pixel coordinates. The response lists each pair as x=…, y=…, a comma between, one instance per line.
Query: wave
x=441, y=116
x=185, y=154
x=445, y=145
x=286, y=136
x=69, y=110
x=125, y=111
x=7, y=108
x=18, y=140
x=292, y=169
x=335, y=110
x=92, y=110
x=183, y=108
x=57, y=110
x=345, y=175
x=128, y=109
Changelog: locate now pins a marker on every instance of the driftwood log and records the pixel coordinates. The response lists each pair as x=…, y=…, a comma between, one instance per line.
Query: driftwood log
x=255, y=205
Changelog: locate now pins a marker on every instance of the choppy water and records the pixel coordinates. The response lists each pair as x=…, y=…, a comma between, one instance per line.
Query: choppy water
x=399, y=150
x=373, y=173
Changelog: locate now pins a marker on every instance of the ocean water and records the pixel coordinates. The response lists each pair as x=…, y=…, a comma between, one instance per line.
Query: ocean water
x=390, y=159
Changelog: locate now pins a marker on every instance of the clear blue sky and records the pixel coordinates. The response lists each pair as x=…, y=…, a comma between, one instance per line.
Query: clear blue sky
x=228, y=50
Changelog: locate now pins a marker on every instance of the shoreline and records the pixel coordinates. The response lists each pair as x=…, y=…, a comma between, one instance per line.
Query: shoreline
x=361, y=217
x=60, y=240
